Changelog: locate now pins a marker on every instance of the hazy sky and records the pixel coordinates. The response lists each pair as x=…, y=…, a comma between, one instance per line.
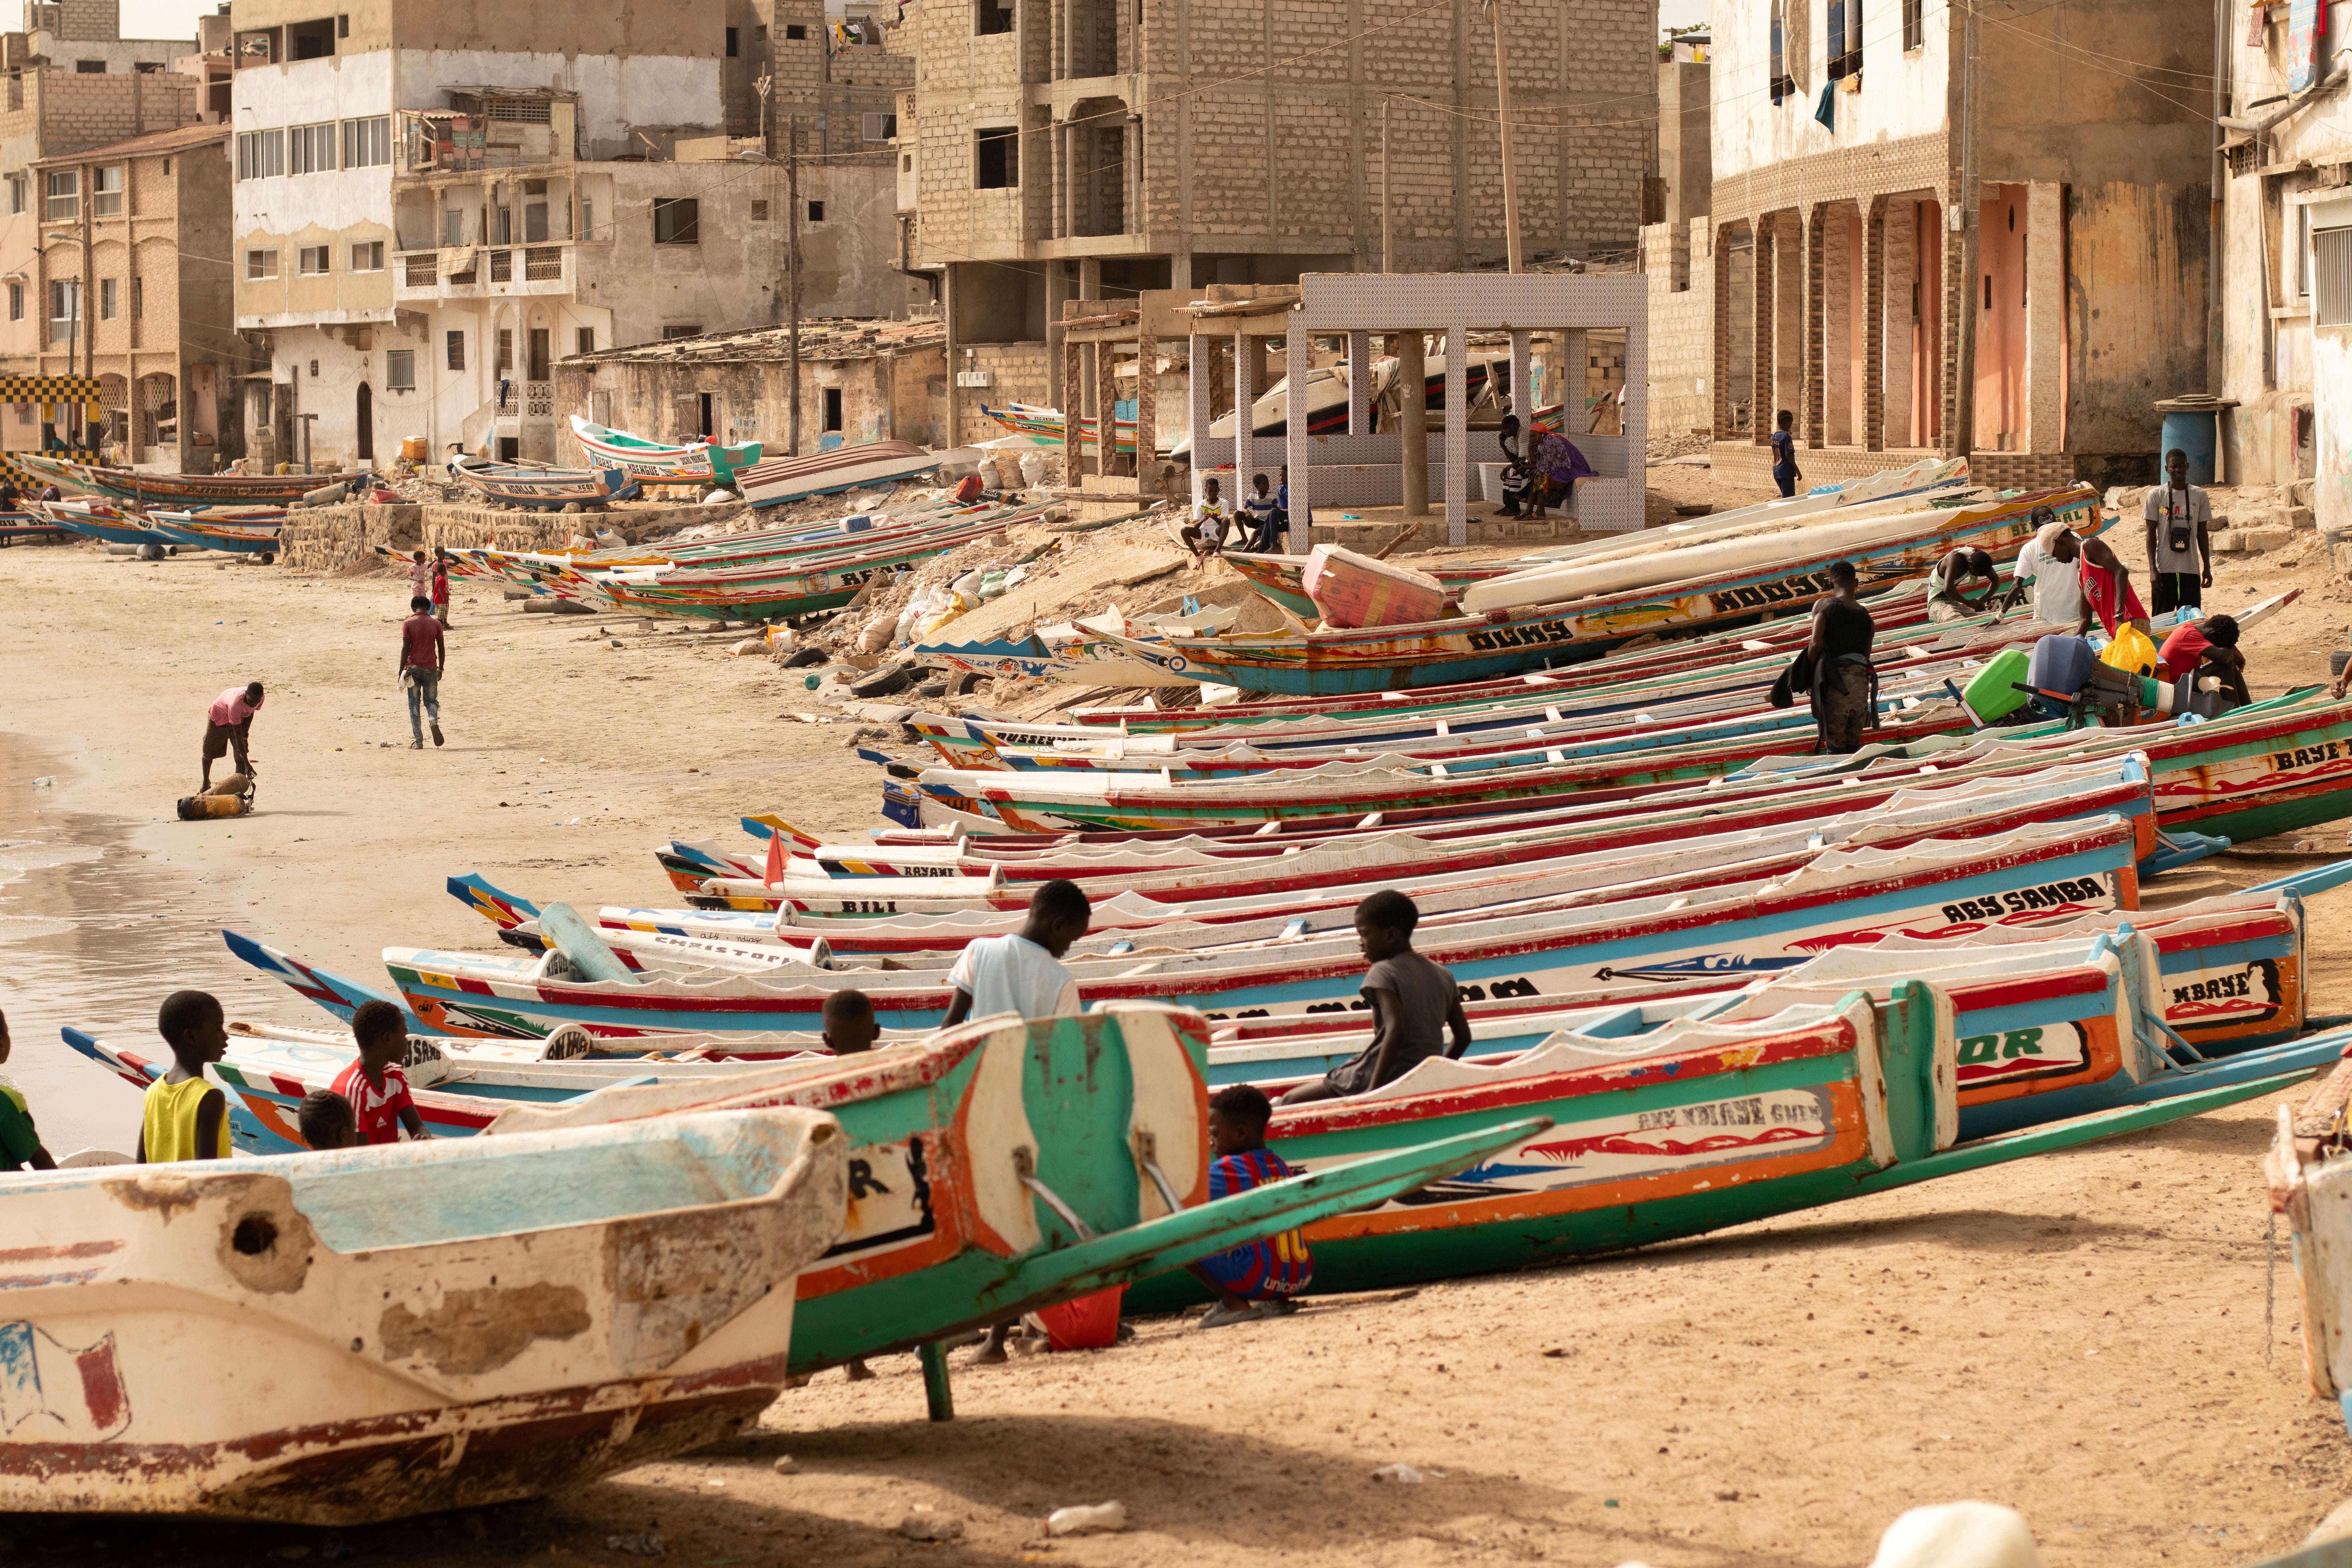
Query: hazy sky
x=162, y=18
x=177, y=18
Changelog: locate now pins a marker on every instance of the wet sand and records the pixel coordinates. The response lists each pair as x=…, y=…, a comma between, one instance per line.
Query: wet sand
x=2082, y=1337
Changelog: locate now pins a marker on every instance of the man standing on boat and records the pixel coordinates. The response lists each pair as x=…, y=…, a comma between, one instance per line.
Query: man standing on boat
x=228, y=724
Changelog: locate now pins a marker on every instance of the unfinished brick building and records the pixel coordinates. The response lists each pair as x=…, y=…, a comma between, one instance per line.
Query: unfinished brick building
x=1993, y=241
x=1092, y=149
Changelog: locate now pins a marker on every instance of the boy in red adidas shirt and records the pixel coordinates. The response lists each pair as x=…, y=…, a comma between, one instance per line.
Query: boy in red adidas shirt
x=374, y=1084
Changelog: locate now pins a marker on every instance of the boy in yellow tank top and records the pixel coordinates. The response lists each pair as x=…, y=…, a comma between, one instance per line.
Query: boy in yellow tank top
x=187, y=1117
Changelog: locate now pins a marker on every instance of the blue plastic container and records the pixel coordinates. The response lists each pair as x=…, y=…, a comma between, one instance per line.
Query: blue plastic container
x=2193, y=431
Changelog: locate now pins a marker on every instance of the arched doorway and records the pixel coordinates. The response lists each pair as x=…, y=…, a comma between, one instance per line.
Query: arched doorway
x=367, y=423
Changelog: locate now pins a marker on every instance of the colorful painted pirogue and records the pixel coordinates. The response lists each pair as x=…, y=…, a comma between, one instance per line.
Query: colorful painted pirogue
x=1629, y=935
x=2274, y=766
x=181, y=489
x=1723, y=1127
x=96, y=518
x=1440, y=652
x=799, y=588
x=418, y=1327
x=775, y=480
x=243, y=531
x=547, y=489
x=975, y=1158
x=650, y=462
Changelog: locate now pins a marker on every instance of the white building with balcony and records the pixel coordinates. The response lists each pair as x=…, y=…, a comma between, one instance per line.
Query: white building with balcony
x=423, y=223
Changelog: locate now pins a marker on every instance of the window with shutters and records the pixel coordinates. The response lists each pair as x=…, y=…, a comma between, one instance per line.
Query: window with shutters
x=583, y=340
x=677, y=220
x=109, y=299
x=400, y=370
x=2331, y=295
x=456, y=350
x=16, y=301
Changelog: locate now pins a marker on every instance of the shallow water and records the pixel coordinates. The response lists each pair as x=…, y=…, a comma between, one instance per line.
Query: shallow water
x=92, y=935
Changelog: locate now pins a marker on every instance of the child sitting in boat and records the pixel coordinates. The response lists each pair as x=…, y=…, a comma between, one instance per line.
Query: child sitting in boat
x=326, y=1121
x=375, y=1084
x=1413, y=1003
x=1258, y=1279
x=185, y=1117
x=849, y=1026
x=20, y=1144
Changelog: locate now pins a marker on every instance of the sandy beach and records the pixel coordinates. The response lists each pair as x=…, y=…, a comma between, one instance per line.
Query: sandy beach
x=2085, y=1337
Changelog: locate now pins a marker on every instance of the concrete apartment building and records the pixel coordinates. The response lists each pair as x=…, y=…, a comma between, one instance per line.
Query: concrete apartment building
x=150, y=314
x=84, y=37
x=96, y=162
x=434, y=202
x=2285, y=294
x=1940, y=229
x=1082, y=149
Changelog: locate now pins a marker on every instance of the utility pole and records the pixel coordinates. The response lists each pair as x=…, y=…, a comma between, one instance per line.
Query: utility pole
x=793, y=282
x=1503, y=126
x=1388, y=191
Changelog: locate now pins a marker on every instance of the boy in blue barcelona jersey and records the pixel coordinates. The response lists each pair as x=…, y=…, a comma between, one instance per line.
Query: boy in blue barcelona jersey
x=1259, y=1279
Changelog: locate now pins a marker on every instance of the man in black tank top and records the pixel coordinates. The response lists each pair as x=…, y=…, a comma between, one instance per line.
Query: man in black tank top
x=1845, y=686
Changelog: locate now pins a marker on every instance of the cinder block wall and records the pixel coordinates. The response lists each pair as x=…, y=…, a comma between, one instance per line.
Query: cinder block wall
x=1681, y=270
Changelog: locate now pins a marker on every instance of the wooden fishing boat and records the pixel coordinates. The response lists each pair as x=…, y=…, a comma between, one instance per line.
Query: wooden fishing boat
x=546, y=489
x=1005, y=1166
x=1473, y=648
x=2309, y=1181
x=1766, y=1122
x=458, y=1086
x=650, y=462
x=181, y=489
x=30, y=528
x=444, y=1324
x=106, y=521
x=1939, y=887
x=776, y=480
x=2266, y=768
x=798, y=588
x=239, y=538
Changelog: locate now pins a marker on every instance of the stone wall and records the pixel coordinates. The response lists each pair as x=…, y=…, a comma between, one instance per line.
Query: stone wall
x=320, y=539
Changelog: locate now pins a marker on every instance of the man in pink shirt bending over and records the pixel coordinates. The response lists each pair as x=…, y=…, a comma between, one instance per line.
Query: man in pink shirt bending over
x=229, y=722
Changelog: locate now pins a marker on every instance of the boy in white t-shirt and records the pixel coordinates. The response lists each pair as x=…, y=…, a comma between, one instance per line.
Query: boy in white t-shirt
x=1021, y=973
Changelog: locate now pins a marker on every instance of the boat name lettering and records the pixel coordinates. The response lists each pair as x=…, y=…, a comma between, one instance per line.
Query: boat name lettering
x=868, y=907
x=1979, y=1048
x=2017, y=901
x=2217, y=989
x=1522, y=636
x=1750, y=1113
x=1755, y=595
x=2304, y=756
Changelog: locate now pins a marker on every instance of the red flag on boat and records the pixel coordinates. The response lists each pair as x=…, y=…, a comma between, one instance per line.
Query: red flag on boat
x=775, y=871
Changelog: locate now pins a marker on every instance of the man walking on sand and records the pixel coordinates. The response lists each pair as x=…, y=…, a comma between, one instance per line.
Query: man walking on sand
x=423, y=653
x=230, y=723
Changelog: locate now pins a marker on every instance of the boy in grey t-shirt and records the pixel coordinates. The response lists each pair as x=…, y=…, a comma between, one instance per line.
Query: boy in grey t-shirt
x=1415, y=1003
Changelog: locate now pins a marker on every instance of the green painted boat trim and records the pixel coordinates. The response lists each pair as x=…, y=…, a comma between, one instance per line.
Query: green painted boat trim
x=978, y=1289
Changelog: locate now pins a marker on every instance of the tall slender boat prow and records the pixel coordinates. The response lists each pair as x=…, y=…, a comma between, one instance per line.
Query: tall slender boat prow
x=181, y=489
